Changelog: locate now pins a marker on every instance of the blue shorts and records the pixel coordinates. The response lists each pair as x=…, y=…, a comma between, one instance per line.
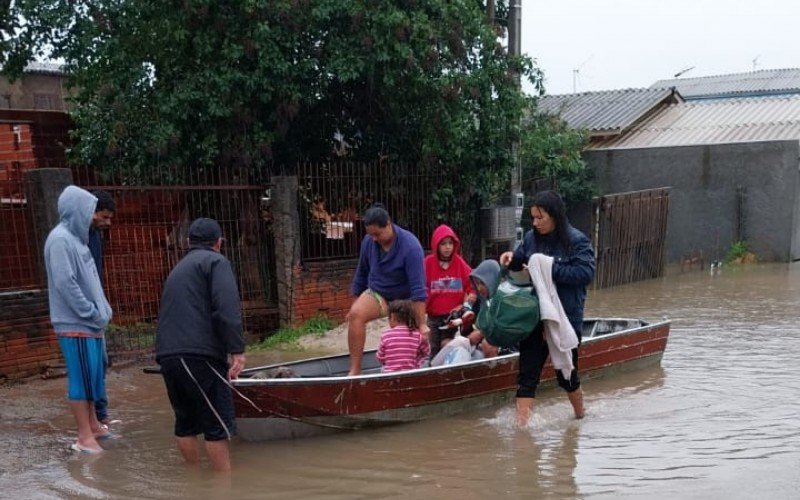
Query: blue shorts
x=194, y=392
x=86, y=370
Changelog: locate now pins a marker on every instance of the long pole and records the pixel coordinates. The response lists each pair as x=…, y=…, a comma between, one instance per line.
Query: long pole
x=515, y=50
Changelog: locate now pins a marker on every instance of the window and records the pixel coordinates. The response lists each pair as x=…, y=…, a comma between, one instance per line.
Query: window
x=44, y=101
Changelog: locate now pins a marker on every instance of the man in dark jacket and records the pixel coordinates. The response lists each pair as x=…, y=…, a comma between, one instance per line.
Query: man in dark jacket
x=101, y=221
x=199, y=328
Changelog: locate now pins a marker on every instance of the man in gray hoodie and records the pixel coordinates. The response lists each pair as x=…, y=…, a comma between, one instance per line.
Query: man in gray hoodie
x=79, y=312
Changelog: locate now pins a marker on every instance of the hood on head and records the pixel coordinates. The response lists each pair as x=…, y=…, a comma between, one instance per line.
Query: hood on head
x=442, y=232
x=75, y=209
x=487, y=271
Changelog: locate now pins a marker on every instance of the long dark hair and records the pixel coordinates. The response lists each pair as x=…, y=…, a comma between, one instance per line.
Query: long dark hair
x=551, y=202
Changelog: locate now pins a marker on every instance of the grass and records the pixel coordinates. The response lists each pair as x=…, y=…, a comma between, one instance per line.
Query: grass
x=737, y=251
x=134, y=336
x=286, y=338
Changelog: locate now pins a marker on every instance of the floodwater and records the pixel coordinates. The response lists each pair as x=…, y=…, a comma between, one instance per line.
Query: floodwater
x=720, y=418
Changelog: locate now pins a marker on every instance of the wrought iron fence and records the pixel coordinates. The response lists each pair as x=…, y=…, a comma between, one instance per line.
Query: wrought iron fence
x=18, y=255
x=148, y=236
x=332, y=197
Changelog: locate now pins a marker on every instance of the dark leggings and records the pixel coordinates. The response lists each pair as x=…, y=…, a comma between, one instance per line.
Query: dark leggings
x=533, y=353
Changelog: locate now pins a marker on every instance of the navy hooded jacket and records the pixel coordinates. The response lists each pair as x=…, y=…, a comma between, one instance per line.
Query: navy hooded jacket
x=573, y=268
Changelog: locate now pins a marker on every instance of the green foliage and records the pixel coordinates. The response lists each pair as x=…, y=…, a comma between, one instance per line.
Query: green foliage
x=286, y=337
x=736, y=252
x=246, y=83
x=550, y=149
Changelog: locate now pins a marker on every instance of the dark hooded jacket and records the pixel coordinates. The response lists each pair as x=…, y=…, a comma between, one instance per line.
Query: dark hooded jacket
x=573, y=268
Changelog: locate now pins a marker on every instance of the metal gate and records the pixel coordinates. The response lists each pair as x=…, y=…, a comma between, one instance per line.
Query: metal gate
x=629, y=232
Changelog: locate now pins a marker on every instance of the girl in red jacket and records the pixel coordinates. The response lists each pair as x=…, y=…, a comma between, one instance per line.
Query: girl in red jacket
x=447, y=282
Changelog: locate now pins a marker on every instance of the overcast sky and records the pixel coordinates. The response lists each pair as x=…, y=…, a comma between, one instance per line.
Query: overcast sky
x=615, y=44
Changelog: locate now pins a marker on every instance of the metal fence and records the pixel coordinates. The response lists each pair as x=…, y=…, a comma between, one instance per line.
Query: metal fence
x=332, y=197
x=18, y=257
x=156, y=205
x=149, y=234
x=629, y=234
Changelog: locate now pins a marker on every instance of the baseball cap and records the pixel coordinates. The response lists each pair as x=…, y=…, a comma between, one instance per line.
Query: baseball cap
x=204, y=230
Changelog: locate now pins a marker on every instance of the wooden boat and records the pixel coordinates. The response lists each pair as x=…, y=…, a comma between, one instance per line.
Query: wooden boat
x=319, y=397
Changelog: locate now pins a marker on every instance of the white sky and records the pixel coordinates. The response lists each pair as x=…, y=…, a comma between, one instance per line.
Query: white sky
x=616, y=44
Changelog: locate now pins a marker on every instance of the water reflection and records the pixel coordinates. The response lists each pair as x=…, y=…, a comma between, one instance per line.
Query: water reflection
x=718, y=419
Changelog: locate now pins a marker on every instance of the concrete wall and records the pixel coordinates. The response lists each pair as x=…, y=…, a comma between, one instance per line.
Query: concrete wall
x=34, y=91
x=703, y=200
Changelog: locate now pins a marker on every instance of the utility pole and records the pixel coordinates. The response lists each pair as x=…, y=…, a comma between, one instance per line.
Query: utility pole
x=515, y=50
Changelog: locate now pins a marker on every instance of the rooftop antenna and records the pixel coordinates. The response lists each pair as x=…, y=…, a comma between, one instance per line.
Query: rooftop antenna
x=755, y=62
x=576, y=73
x=682, y=72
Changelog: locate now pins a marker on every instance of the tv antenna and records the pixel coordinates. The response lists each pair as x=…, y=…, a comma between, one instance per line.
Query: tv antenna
x=755, y=62
x=682, y=72
x=576, y=74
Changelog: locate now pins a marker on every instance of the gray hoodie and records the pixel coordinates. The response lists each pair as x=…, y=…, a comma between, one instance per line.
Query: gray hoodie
x=77, y=301
x=489, y=272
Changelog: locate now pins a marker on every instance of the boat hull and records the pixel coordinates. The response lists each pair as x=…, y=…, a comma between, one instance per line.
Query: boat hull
x=310, y=405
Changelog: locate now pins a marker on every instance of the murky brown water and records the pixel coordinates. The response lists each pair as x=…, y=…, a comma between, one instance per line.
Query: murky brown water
x=719, y=419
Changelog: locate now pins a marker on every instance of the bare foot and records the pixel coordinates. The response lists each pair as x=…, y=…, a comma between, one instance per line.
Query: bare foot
x=524, y=408
x=87, y=447
x=576, y=399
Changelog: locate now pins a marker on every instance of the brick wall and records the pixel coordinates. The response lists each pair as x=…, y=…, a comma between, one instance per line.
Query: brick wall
x=28, y=345
x=322, y=287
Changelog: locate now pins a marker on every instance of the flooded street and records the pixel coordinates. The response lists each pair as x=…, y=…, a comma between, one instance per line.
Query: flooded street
x=720, y=418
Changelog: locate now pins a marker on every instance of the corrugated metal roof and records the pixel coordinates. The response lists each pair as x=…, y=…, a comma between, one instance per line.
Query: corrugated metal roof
x=607, y=112
x=713, y=122
x=45, y=67
x=752, y=84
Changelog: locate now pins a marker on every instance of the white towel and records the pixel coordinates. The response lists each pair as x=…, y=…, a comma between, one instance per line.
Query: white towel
x=558, y=331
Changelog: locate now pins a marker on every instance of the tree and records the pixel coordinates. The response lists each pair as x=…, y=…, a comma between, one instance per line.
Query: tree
x=550, y=149
x=246, y=83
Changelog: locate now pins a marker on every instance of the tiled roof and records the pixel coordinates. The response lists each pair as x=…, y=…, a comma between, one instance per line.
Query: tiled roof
x=608, y=112
x=752, y=84
x=713, y=122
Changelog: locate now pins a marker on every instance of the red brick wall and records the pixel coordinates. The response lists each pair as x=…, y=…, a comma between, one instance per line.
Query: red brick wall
x=39, y=141
x=137, y=255
x=322, y=287
x=28, y=344
x=15, y=147
x=45, y=137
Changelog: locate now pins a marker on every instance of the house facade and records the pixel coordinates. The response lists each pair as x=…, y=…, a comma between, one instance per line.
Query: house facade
x=42, y=87
x=729, y=151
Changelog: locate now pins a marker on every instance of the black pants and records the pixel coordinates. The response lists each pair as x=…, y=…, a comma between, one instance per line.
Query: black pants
x=533, y=353
x=437, y=335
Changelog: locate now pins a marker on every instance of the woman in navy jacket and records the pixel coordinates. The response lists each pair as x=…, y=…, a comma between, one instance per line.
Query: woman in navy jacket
x=573, y=269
